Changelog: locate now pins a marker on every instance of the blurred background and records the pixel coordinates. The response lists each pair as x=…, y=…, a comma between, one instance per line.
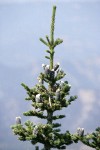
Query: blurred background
x=22, y=23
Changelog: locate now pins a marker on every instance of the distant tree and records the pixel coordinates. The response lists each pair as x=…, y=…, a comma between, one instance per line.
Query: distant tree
x=49, y=95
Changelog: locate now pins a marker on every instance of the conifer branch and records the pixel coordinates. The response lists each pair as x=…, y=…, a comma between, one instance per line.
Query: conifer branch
x=47, y=57
x=43, y=41
x=48, y=40
x=35, y=113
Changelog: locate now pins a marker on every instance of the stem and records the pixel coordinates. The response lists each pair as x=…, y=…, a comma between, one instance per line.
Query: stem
x=49, y=113
x=46, y=147
x=52, y=24
x=49, y=119
x=52, y=37
x=51, y=58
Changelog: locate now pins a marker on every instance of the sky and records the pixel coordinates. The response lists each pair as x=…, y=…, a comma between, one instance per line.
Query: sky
x=22, y=23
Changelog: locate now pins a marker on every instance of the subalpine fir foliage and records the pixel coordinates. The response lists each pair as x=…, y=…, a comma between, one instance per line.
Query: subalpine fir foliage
x=92, y=140
x=48, y=96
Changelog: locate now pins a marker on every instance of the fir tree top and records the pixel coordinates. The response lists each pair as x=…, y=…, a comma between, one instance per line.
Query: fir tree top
x=50, y=94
